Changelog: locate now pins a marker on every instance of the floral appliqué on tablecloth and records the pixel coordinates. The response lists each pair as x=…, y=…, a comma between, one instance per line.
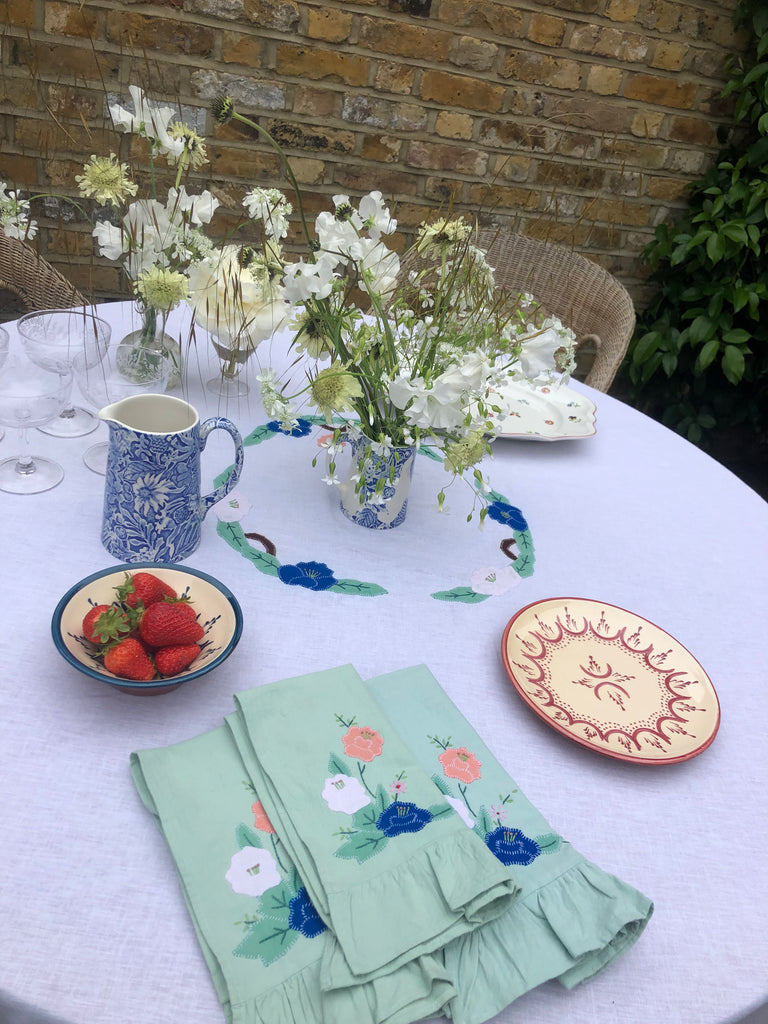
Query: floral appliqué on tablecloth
x=283, y=911
x=492, y=822
x=377, y=812
x=311, y=574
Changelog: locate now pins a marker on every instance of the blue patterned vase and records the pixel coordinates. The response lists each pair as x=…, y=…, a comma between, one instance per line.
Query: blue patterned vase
x=376, y=495
x=153, y=509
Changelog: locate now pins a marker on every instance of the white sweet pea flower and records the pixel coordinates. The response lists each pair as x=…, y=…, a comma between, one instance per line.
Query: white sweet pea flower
x=378, y=267
x=376, y=217
x=344, y=793
x=110, y=240
x=200, y=208
x=461, y=809
x=149, y=120
x=303, y=281
x=252, y=871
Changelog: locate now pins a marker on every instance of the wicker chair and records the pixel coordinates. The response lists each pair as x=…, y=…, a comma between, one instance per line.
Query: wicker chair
x=29, y=282
x=585, y=297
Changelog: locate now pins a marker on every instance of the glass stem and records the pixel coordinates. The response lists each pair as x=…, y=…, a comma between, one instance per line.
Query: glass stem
x=24, y=464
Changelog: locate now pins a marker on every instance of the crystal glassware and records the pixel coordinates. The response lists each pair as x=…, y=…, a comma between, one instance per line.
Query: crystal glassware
x=52, y=338
x=145, y=371
x=30, y=396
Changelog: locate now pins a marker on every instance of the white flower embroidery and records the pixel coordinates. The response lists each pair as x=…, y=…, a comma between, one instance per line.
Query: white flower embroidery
x=461, y=809
x=494, y=581
x=343, y=793
x=252, y=871
x=233, y=508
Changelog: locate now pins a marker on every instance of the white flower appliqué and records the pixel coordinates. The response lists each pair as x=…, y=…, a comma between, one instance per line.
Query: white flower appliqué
x=252, y=871
x=343, y=793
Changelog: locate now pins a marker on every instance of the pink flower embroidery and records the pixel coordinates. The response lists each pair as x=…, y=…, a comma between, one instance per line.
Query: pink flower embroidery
x=260, y=819
x=459, y=763
x=362, y=743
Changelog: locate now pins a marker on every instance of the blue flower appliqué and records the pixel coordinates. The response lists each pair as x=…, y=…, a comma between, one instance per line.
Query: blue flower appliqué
x=312, y=575
x=507, y=515
x=512, y=846
x=302, y=916
x=402, y=816
x=302, y=428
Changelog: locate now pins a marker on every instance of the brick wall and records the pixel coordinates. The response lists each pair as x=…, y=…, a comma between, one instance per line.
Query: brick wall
x=580, y=121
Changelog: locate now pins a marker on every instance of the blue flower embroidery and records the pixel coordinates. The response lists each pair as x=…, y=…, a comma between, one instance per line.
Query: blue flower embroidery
x=312, y=575
x=402, y=816
x=302, y=916
x=507, y=515
x=302, y=428
x=512, y=846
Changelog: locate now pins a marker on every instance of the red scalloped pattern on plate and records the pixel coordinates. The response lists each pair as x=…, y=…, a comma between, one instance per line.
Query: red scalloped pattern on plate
x=611, y=680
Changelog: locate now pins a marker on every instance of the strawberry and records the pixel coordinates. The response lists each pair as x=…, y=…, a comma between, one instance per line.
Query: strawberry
x=172, y=660
x=144, y=588
x=105, y=622
x=129, y=660
x=168, y=624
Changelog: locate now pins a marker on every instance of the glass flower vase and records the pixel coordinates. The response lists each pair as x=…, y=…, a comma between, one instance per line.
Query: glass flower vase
x=230, y=383
x=150, y=335
x=375, y=494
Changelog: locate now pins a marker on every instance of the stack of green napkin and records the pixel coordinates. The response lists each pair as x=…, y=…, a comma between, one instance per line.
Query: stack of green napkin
x=352, y=853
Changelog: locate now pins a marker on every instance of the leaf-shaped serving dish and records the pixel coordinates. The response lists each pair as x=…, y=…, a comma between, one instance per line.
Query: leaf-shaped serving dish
x=548, y=413
x=610, y=680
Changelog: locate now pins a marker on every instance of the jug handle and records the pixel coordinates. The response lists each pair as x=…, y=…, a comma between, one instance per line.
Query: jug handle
x=206, y=427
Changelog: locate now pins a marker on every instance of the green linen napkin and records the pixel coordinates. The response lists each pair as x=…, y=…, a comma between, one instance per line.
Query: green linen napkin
x=393, y=878
x=260, y=935
x=571, y=920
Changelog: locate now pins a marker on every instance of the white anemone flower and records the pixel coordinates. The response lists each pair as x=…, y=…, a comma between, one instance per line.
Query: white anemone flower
x=200, y=208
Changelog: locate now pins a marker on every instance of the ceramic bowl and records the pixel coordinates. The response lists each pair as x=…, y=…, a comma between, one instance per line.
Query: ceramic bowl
x=217, y=608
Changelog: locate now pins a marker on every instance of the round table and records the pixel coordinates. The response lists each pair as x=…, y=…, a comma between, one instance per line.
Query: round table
x=93, y=926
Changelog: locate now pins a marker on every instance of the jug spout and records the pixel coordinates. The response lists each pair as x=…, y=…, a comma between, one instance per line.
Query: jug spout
x=109, y=413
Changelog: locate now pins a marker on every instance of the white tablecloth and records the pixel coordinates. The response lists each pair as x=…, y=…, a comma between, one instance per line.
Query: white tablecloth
x=93, y=927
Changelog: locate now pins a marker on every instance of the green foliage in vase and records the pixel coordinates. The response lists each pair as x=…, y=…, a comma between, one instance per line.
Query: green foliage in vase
x=699, y=357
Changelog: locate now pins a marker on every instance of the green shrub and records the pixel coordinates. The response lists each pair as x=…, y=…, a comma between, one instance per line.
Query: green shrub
x=699, y=358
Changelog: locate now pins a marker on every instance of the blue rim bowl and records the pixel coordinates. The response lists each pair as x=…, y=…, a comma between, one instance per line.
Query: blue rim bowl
x=218, y=611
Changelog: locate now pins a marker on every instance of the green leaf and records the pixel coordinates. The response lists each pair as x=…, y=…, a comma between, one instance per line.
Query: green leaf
x=550, y=842
x=262, y=433
x=465, y=595
x=247, y=837
x=733, y=363
x=483, y=823
x=357, y=587
x=362, y=845
x=440, y=810
x=736, y=232
x=645, y=347
x=715, y=247
x=738, y=336
x=442, y=784
x=700, y=329
x=707, y=354
x=266, y=941
x=338, y=766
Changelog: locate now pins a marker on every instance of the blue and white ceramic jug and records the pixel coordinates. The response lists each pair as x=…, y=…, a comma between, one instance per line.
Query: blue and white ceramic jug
x=153, y=509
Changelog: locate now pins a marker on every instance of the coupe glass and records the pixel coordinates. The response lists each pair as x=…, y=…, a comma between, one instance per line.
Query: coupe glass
x=52, y=338
x=30, y=396
x=144, y=371
x=4, y=344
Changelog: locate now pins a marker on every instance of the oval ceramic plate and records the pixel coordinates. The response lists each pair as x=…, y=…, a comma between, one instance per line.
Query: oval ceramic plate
x=610, y=680
x=547, y=413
